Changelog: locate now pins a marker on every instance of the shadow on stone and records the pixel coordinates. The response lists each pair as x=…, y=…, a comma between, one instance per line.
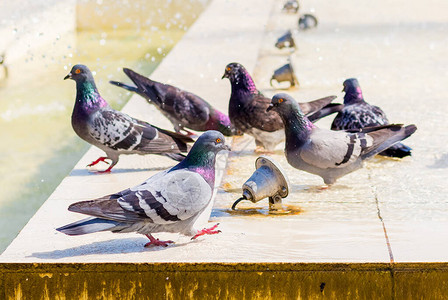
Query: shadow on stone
x=116, y=246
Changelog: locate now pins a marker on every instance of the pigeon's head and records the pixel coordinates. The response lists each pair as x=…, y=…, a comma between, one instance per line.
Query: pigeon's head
x=210, y=141
x=284, y=104
x=233, y=71
x=350, y=84
x=79, y=73
x=353, y=92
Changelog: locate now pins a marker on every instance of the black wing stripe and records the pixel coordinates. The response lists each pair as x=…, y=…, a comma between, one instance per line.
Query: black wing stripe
x=157, y=206
x=349, y=153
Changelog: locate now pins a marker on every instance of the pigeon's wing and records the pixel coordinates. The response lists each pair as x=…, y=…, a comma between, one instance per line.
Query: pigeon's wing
x=172, y=197
x=181, y=105
x=190, y=109
x=314, y=106
x=359, y=115
x=381, y=116
x=333, y=149
x=118, y=130
x=256, y=115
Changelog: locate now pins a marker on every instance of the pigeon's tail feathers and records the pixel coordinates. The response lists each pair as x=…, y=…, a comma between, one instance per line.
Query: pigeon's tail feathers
x=327, y=110
x=88, y=225
x=146, y=87
x=387, y=136
x=399, y=150
x=175, y=156
x=314, y=106
x=125, y=86
x=176, y=135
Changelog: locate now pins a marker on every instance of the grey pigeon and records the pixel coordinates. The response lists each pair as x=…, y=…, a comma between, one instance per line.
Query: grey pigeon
x=169, y=201
x=327, y=153
x=115, y=132
x=247, y=109
x=357, y=113
x=182, y=108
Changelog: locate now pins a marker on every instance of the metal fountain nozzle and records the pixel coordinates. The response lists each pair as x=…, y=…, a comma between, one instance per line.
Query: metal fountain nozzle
x=285, y=40
x=285, y=73
x=291, y=6
x=268, y=180
x=307, y=21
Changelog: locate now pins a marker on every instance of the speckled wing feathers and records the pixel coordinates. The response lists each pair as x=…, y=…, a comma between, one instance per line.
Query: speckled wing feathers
x=117, y=130
x=359, y=115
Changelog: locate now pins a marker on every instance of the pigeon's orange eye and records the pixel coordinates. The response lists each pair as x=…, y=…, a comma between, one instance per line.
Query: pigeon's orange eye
x=280, y=100
x=77, y=71
x=228, y=68
x=218, y=140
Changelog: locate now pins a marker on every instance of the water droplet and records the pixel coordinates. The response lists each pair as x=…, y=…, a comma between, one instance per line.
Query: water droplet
x=102, y=42
x=159, y=50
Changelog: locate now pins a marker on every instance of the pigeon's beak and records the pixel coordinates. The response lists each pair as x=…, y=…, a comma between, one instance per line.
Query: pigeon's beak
x=270, y=107
x=225, y=75
x=69, y=75
x=227, y=147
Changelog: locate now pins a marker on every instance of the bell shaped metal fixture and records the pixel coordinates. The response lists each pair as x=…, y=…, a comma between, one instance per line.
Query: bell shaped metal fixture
x=291, y=6
x=285, y=73
x=268, y=181
x=285, y=40
x=307, y=21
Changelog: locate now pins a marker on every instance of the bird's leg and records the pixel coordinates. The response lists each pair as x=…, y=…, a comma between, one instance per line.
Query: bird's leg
x=110, y=167
x=102, y=158
x=156, y=242
x=207, y=231
x=189, y=133
x=260, y=148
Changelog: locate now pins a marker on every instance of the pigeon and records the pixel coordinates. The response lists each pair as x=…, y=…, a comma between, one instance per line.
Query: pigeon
x=182, y=108
x=357, y=113
x=247, y=109
x=115, y=132
x=327, y=153
x=169, y=201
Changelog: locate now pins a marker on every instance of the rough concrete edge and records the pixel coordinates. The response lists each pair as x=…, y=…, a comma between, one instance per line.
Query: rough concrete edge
x=224, y=267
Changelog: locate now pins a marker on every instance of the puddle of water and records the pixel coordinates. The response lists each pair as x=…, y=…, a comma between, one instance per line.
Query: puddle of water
x=39, y=145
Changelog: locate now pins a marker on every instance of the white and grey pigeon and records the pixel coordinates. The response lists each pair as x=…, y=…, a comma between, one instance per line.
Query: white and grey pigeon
x=115, y=132
x=169, y=201
x=327, y=153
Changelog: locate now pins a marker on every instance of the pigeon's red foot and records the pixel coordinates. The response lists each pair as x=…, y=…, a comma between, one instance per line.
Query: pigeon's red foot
x=156, y=242
x=190, y=134
x=102, y=158
x=207, y=231
x=107, y=170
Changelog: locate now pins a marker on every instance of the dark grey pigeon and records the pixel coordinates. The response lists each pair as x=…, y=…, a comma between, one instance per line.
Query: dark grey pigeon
x=247, y=109
x=357, y=113
x=169, y=201
x=327, y=153
x=182, y=108
x=115, y=132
